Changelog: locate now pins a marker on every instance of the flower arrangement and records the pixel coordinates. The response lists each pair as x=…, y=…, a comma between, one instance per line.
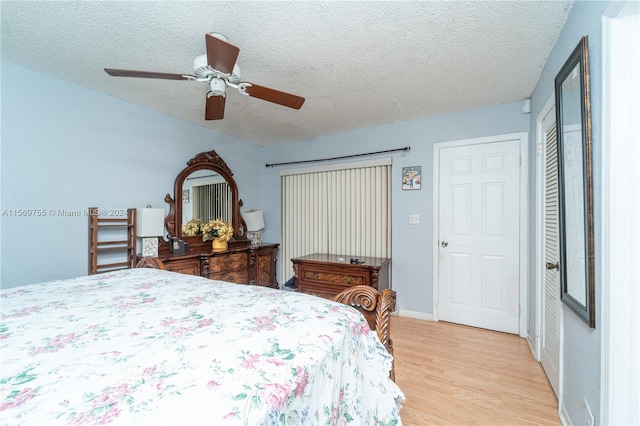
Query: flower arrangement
x=192, y=228
x=218, y=229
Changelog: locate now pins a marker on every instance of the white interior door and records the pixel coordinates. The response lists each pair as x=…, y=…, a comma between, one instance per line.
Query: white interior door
x=551, y=310
x=478, y=235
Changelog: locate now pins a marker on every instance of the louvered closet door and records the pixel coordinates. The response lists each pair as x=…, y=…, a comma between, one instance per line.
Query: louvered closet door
x=550, y=338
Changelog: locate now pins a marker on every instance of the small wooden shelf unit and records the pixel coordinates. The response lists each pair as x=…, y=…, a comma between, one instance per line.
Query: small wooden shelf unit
x=111, y=239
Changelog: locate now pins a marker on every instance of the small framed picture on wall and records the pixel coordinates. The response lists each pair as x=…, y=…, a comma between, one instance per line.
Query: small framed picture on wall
x=186, y=196
x=411, y=177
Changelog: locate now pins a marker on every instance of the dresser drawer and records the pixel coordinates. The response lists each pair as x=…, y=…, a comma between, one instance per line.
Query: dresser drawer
x=227, y=262
x=238, y=277
x=189, y=267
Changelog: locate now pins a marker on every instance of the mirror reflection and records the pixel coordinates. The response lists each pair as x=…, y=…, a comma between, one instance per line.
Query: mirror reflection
x=206, y=196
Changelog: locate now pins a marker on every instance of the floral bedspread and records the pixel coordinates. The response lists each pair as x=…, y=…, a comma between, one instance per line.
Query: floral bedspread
x=151, y=347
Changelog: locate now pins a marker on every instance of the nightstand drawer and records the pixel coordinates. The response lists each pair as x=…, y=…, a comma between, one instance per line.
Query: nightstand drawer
x=339, y=278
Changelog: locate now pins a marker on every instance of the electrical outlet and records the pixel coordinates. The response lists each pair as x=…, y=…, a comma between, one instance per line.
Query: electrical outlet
x=414, y=219
x=591, y=421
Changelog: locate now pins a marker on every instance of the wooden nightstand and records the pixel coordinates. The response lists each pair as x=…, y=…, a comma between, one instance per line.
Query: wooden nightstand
x=325, y=275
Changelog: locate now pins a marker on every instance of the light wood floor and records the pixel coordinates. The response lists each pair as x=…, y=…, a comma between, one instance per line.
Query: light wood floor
x=457, y=375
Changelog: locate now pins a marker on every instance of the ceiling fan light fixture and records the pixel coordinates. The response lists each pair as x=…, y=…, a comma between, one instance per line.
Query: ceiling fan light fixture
x=219, y=37
x=201, y=67
x=218, y=87
x=203, y=71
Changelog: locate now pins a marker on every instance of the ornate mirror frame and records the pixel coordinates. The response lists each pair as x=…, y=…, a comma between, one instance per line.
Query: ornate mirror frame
x=204, y=161
x=575, y=184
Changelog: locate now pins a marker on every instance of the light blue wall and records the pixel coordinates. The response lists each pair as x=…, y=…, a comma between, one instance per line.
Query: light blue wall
x=411, y=244
x=66, y=147
x=581, y=375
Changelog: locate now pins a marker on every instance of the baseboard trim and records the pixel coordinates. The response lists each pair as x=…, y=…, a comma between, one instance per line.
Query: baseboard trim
x=415, y=314
x=531, y=348
x=565, y=420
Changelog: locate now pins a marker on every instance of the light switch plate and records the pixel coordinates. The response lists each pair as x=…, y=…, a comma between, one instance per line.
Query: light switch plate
x=414, y=219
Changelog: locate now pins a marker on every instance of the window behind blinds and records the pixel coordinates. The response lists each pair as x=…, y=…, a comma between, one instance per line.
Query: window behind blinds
x=341, y=209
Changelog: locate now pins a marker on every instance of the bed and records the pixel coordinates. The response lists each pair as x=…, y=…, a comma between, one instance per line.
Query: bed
x=149, y=346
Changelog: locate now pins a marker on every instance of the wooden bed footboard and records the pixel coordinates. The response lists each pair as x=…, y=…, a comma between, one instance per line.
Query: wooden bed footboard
x=376, y=308
x=151, y=262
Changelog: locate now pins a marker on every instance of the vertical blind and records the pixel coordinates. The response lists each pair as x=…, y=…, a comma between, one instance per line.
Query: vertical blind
x=343, y=209
x=212, y=202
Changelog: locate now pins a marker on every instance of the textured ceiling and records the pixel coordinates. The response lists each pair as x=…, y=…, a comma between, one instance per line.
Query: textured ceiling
x=358, y=64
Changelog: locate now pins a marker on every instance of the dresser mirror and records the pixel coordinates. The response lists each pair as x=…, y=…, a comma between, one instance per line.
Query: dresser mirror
x=575, y=189
x=204, y=190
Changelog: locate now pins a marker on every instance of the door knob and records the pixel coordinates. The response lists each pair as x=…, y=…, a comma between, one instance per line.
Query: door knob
x=555, y=266
x=444, y=244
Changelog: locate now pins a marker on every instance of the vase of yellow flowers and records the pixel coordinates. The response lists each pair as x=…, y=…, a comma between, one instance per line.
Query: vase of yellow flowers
x=219, y=232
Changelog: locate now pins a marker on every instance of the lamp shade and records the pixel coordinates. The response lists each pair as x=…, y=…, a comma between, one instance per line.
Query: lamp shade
x=150, y=222
x=254, y=220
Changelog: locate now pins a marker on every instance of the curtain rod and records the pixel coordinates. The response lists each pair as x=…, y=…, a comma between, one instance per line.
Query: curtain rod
x=405, y=149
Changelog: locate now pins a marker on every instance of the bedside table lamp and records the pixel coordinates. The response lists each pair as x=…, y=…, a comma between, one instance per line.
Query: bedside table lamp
x=255, y=225
x=149, y=226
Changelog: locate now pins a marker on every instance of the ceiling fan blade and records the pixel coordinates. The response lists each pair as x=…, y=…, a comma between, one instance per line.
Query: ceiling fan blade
x=148, y=74
x=215, y=108
x=221, y=55
x=275, y=96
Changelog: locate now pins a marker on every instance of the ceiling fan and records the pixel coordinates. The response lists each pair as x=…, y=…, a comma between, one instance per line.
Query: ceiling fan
x=218, y=68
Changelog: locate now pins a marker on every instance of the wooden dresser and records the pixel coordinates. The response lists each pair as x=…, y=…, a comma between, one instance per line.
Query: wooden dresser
x=241, y=265
x=325, y=275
